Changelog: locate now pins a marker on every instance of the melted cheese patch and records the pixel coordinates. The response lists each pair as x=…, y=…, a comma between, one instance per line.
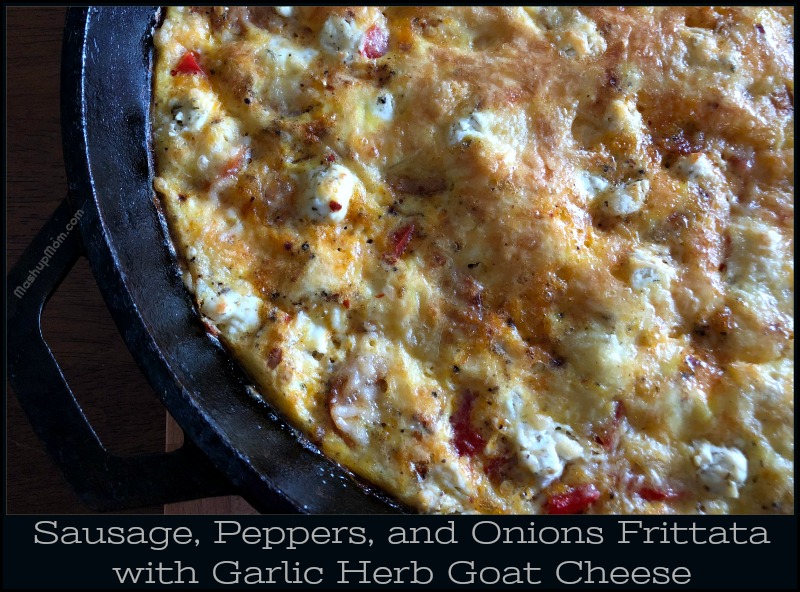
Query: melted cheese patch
x=329, y=192
x=487, y=256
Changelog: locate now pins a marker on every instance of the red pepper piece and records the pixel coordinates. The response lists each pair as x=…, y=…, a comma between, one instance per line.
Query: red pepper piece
x=467, y=440
x=657, y=494
x=576, y=500
x=399, y=240
x=375, y=43
x=188, y=65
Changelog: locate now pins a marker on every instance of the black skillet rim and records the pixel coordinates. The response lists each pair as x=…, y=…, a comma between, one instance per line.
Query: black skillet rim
x=292, y=475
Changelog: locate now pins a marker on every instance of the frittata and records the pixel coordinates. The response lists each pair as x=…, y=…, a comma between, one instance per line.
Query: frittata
x=499, y=260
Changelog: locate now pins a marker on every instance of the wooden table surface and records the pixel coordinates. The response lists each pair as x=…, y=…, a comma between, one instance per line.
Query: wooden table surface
x=125, y=412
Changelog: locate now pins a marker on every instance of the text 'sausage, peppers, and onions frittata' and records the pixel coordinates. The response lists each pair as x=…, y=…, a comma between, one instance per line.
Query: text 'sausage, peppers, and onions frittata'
x=499, y=260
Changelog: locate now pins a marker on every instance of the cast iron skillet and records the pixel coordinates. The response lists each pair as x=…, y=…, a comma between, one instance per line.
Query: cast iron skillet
x=235, y=443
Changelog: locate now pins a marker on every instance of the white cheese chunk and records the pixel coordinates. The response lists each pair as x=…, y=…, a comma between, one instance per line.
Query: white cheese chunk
x=707, y=49
x=222, y=138
x=284, y=11
x=755, y=245
x=573, y=33
x=353, y=401
x=303, y=345
x=329, y=192
x=308, y=334
x=341, y=37
x=218, y=147
x=647, y=266
x=200, y=106
x=338, y=320
x=695, y=167
x=644, y=276
x=630, y=80
x=609, y=358
x=475, y=127
x=589, y=185
x=701, y=46
x=500, y=134
x=543, y=446
x=760, y=280
x=627, y=198
x=623, y=117
x=190, y=112
x=549, y=17
x=288, y=56
x=721, y=470
x=445, y=487
x=235, y=311
x=383, y=107
x=581, y=38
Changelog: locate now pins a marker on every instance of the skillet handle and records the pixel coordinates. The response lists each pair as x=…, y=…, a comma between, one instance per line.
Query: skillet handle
x=104, y=482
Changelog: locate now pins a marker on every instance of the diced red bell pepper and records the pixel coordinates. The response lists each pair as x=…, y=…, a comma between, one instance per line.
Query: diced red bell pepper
x=657, y=494
x=576, y=500
x=466, y=439
x=188, y=65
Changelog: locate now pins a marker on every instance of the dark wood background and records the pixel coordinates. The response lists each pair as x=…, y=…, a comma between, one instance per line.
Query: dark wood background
x=125, y=412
